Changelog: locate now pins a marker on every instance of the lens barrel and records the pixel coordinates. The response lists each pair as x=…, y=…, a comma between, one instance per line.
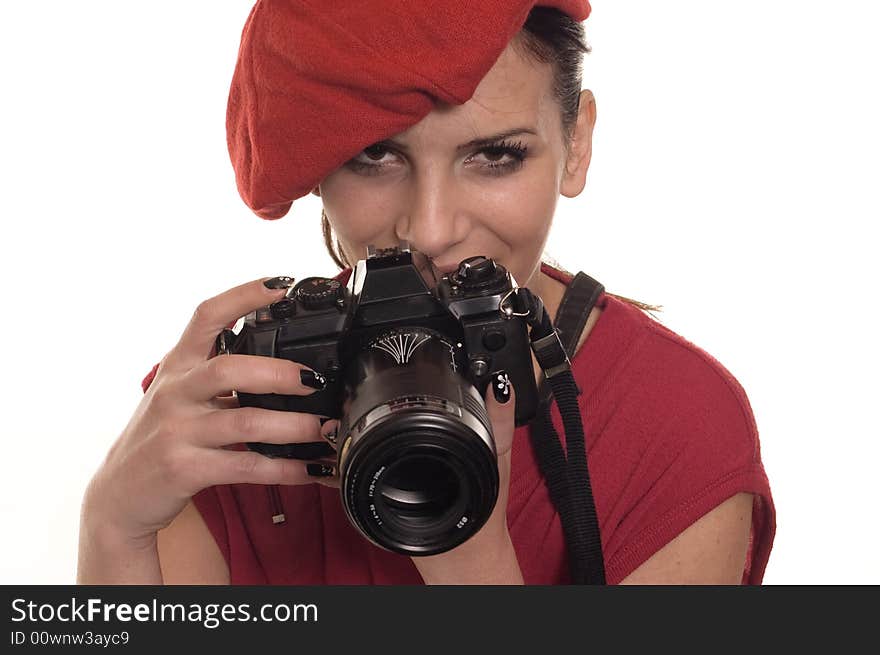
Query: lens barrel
x=418, y=468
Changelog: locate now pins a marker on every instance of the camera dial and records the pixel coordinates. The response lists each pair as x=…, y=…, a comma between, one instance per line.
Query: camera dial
x=479, y=276
x=318, y=292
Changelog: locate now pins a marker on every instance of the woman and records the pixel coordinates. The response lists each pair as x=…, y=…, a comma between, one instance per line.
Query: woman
x=455, y=131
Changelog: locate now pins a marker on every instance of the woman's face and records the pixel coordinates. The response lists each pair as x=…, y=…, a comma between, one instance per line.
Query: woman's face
x=451, y=197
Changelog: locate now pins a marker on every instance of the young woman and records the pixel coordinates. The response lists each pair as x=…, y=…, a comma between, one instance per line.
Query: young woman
x=370, y=108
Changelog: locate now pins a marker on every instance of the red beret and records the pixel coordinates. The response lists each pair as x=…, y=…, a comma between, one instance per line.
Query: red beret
x=317, y=81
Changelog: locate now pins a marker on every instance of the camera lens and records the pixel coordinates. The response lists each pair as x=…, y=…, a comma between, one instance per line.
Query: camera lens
x=419, y=489
x=418, y=485
x=418, y=469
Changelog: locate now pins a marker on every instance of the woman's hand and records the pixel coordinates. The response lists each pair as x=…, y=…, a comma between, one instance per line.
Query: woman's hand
x=488, y=556
x=176, y=443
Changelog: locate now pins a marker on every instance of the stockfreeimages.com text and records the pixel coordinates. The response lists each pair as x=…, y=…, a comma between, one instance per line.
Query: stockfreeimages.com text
x=210, y=615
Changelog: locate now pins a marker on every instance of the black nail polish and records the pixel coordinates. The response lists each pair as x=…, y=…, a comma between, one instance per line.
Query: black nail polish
x=313, y=450
x=312, y=380
x=280, y=282
x=319, y=470
x=501, y=386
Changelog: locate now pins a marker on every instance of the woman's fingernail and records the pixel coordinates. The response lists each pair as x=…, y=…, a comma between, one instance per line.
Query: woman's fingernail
x=280, y=282
x=320, y=470
x=312, y=380
x=331, y=436
x=501, y=386
x=314, y=450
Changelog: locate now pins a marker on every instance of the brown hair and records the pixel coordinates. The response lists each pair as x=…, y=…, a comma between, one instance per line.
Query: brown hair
x=548, y=36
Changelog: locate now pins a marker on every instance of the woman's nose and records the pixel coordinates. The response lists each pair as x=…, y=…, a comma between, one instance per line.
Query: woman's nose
x=431, y=220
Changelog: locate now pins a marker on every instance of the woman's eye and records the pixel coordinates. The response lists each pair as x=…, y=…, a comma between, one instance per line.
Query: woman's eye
x=371, y=159
x=375, y=152
x=503, y=157
x=496, y=159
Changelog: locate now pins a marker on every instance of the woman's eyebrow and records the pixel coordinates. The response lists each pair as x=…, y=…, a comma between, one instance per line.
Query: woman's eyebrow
x=476, y=143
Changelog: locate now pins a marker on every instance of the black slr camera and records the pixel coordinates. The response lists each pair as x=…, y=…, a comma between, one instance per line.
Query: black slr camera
x=407, y=360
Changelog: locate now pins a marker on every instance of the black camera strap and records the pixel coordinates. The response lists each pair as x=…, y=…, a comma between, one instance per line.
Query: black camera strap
x=566, y=474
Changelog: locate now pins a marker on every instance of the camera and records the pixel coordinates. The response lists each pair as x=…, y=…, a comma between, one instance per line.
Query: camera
x=406, y=359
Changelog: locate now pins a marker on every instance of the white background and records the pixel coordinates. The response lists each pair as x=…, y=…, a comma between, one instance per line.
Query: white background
x=734, y=181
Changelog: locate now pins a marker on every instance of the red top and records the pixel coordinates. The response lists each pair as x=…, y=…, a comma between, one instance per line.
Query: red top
x=670, y=435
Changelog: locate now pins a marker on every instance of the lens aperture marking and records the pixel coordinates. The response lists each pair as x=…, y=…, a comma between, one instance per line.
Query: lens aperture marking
x=372, y=488
x=402, y=346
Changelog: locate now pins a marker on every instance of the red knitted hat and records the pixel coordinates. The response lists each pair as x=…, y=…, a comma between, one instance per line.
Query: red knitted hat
x=317, y=81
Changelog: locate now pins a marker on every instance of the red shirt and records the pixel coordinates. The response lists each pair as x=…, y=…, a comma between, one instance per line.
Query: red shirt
x=670, y=435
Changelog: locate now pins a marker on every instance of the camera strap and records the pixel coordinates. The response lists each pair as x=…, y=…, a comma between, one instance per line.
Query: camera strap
x=566, y=473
